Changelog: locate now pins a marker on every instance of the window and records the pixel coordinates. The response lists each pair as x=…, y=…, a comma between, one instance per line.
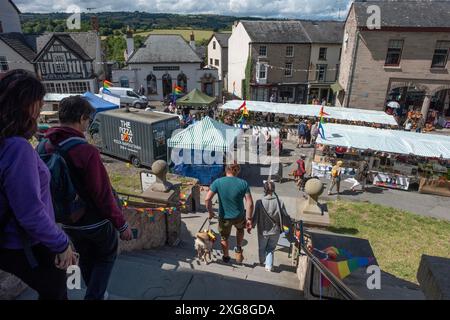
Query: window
x=288, y=69
x=211, y=61
x=323, y=54
x=214, y=45
x=262, y=71
x=124, y=82
x=321, y=72
x=60, y=63
x=49, y=87
x=78, y=87
x=336, y=78
x=43, y=68
x=152, y=84
x=263, y=51
x=440, y=54
x=3, y=64
x=216, y=62
x=132, y=94
x=394, y=53
x=182, y=81
x=289, y=51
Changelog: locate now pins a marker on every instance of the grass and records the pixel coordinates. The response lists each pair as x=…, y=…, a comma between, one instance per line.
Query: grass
x=398, y=238
x=185, y=33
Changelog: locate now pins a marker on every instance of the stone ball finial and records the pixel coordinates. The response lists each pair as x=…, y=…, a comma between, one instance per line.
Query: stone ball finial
x=159, y=168
x=314, y=188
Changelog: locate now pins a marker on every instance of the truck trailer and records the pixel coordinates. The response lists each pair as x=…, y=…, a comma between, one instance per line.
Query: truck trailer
x=137, y=136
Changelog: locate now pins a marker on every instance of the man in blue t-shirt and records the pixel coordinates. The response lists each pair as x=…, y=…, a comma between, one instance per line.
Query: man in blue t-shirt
x=231, y=191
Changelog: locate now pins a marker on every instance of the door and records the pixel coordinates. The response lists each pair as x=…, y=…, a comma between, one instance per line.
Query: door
x=167, y=85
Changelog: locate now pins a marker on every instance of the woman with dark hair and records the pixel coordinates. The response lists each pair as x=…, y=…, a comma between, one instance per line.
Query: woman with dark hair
x=32, y=247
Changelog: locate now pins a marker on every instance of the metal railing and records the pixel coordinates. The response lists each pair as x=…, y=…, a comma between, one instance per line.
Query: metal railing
x=340, y=287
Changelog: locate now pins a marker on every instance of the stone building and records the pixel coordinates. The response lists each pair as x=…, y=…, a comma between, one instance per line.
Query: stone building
x=404, y=61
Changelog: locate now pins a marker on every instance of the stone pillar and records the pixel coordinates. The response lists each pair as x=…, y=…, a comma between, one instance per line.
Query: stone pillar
x=426, y=105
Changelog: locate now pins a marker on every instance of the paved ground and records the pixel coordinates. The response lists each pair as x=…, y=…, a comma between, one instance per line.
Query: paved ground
x=174, y=273
x=422, y=204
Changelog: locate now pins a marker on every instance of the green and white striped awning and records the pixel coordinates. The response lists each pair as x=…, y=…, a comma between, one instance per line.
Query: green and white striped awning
x=206, y=134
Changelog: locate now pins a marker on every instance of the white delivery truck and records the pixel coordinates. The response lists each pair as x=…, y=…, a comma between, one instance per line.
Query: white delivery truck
x=128, y=97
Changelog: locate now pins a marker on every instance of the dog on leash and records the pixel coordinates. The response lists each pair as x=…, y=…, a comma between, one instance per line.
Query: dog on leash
x=204, y=242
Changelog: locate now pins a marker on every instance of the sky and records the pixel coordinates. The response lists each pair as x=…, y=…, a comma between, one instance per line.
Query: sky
x=311, y=9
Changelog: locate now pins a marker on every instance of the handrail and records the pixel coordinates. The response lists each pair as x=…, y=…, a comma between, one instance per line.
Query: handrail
x=337, y=283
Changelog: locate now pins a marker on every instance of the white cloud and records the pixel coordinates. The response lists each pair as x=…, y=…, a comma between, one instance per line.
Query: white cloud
x=310, y=9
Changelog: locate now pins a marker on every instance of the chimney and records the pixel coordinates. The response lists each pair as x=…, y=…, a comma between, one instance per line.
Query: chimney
x=192, y=41
x=130, y=42
x=94, y=23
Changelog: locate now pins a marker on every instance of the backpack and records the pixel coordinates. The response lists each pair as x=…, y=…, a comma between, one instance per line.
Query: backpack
x=334, y=172
x=68, y=206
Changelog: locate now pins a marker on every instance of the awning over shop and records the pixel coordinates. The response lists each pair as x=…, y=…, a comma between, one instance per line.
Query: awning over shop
x=308, y=110
x=206, y=134
x=336, y=87
x=196, y=98
x=391, y=141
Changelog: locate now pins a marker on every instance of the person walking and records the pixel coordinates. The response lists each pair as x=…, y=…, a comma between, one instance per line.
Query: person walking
x=95, y=234
x=361, y=176
x=314, y=133
x=231, y=192
x=32, y=246
x=299, y=173
x=301, y=131
x=268, y=219
x=336, y=173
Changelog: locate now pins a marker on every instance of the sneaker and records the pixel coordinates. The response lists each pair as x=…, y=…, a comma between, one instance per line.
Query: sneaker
x=269, y=269
x=225, y=259
x=239, y=255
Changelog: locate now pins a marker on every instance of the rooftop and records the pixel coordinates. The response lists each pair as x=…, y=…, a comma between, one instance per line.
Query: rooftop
x=165, y=49
x=413, y=13
x=19, y=44
x=298, y=31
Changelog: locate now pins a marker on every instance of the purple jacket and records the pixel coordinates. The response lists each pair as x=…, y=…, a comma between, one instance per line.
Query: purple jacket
x=25, y=181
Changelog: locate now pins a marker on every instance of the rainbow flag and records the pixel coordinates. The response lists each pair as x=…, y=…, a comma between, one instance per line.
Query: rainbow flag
x=346, y=266
x=177, y=90
x=321, y=122
x=107, y=84
x=244, y=113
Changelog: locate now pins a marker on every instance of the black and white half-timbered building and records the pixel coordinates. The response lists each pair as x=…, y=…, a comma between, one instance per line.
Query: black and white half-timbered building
x=65, y=67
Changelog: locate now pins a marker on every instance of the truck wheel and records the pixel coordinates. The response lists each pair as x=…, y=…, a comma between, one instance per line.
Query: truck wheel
x=139, y=106
x=135, y=162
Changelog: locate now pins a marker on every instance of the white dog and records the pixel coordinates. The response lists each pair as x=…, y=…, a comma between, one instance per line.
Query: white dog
x=204, y=244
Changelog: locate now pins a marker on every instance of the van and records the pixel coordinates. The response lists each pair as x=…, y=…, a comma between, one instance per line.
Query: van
x=133, y=135
x=128, y=97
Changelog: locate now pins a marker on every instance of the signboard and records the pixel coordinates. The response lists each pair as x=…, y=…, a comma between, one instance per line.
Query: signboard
x=388, y=180
x=126, y=141
x=147, y=179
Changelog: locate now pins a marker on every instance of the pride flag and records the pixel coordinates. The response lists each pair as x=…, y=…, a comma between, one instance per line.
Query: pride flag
x=346, y=266
x=106, y=86
x=321, y=122
x=244, y=113
x=177, y=89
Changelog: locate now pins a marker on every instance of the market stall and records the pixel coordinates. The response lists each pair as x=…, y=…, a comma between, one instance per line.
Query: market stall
x=199, y=151
x=397, y=159
x=196, y=99
x=349, y=115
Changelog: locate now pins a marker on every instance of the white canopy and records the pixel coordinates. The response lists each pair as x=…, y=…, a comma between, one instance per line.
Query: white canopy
x=309, y=110
x=392, y=141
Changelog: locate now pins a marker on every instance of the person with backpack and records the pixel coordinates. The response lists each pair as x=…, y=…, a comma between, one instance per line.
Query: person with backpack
x=301, y=131
x=336, y=173
x=32, y=246
x=95, y=218
x=268, y=217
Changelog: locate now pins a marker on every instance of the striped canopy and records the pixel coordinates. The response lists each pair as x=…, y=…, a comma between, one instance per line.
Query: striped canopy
x=206, y=134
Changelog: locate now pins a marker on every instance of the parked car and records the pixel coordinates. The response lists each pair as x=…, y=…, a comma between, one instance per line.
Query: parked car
x=128, y=97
